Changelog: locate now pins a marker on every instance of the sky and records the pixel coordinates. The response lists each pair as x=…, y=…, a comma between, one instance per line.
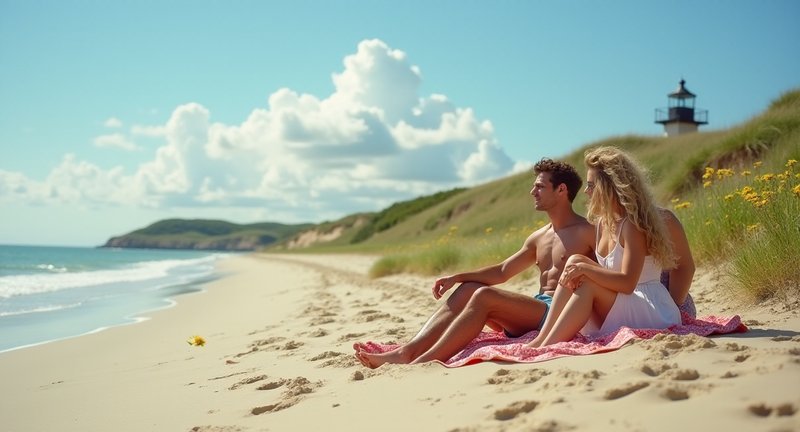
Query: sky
x=117, y=114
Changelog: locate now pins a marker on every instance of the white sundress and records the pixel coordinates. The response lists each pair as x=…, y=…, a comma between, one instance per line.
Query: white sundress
x=649, y=306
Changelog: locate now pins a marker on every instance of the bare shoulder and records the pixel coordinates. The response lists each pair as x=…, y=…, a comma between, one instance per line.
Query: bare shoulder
x=583, y=230
x=538, y=236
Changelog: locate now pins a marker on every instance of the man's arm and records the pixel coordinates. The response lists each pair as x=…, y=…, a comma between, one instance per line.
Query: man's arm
x=493, y=274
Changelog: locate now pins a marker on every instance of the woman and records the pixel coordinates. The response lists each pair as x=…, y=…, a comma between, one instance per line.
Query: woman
x=623, y=287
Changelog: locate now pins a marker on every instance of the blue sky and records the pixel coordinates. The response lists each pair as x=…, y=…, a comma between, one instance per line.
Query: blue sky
x=115, y=114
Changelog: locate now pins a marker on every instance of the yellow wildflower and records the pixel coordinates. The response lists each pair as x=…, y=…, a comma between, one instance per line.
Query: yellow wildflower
x=707, y=184
x=767, y=177
x=755, y=226
x=489, y=230
x=757, y=164
x=708, y=222
x=790, y=163
x=761, y=203
x=675, y=200
x=729, y=197
x=708, y=174
x=724, y=172
x=746, y=190
x=196, y=341
x=746, y=173
x=683, y=205
x=796, y=190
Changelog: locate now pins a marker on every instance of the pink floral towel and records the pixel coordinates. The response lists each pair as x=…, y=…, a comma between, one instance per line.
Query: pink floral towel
x=496, y=346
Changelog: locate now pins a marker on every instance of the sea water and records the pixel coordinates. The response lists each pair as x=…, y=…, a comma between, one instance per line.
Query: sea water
x=52, y=293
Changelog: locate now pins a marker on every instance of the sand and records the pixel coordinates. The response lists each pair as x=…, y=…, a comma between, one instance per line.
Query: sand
x=278, y=357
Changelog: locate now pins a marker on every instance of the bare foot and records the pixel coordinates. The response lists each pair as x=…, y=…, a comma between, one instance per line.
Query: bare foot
x=374, y=360
x=535, y=343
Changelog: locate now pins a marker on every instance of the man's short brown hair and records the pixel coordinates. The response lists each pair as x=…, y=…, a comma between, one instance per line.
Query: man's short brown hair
x=560, y=172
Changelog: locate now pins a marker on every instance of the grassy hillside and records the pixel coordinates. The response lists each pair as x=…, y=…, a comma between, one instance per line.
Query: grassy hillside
x=205, y=234
x=483, y=224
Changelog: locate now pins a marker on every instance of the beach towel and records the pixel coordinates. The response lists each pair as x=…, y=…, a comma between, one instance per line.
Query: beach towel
x=496, y=346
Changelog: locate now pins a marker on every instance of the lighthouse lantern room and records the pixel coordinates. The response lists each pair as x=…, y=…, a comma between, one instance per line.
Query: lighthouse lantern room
x=681, y=116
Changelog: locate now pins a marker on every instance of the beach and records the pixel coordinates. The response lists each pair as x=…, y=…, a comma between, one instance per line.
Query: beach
x=278, y=356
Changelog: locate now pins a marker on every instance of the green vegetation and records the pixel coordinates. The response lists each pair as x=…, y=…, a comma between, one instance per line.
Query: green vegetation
x=205, y=234
x=756, y=234
x=399, y=212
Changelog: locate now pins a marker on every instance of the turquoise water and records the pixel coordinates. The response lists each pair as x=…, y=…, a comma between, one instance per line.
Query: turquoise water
x=51, y=293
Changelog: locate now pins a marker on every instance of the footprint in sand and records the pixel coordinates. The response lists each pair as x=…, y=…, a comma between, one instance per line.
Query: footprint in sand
x=506, y=376
x=619, y=392
x=515, y=409
x=656, y=369
x=675, y=394
x=336, y=359
x=684, y=374
x=216, y=429
x=350, y=336
x=370, y=315
x=294, y=391
x=763, y=410
x=247, y=381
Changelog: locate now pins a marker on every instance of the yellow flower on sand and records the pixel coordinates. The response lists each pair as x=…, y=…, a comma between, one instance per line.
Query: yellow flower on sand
x=196, y=341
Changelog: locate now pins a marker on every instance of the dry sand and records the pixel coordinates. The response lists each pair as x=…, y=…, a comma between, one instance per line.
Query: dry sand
x=278, y=357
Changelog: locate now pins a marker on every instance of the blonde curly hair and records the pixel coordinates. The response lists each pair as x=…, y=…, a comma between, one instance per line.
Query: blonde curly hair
x=621, y=180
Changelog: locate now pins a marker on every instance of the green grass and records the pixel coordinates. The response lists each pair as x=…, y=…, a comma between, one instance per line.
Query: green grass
x=486, y=223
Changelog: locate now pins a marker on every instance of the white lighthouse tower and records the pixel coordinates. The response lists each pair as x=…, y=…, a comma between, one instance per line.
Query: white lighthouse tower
x=680, y=116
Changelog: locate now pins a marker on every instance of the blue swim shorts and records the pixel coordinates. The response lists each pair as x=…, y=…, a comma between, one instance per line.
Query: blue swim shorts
x=547, y=300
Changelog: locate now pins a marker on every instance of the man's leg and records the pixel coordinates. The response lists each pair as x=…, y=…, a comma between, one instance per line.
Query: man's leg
x=428, y=335
x=516, y=313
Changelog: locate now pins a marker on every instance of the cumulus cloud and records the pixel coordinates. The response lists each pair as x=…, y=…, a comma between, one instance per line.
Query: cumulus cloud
x=371, y=142
x=113, y=123
x=117, y=140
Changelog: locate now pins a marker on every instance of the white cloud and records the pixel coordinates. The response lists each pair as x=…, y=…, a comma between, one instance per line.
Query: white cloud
x=113, y=122
x=116, y=140
x=373, y=141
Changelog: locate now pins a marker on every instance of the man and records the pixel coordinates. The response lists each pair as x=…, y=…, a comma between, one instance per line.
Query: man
x=477, y=302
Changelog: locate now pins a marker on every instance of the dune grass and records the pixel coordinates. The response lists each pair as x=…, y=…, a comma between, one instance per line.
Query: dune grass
x=737, y=192
x=748, y=220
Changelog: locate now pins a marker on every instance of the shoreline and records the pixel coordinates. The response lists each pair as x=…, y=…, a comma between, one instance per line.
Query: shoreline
x=279, y=331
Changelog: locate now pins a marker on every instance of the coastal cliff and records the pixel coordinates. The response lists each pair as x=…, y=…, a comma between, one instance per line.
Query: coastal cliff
x=199, y=234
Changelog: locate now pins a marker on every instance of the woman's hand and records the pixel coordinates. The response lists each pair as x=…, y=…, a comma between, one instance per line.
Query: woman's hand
x=572, y=276
x=441, y=286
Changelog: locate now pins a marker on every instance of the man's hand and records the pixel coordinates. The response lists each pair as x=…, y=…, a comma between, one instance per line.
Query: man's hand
x=441, y=286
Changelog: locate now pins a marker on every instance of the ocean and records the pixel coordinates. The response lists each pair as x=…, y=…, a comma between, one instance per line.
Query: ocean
x=53, y=293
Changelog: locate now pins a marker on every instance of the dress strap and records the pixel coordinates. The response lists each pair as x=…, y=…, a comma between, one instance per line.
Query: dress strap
x=619, y=228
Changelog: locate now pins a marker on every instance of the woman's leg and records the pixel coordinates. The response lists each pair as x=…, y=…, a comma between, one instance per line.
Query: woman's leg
x=514, y=312
x=428, y=335
x=589, y=301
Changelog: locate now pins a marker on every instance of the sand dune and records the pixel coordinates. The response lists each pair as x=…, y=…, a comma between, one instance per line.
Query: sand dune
x=278, y=357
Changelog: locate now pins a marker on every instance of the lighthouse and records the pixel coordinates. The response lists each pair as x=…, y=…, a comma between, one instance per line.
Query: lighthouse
x=680, y=116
